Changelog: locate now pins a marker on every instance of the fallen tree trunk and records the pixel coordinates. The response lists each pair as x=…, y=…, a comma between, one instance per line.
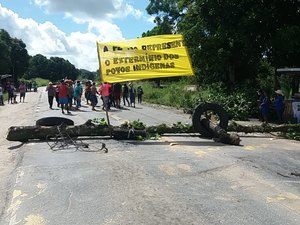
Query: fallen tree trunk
x=221, y=134
x=264, y=128
x=25, y=133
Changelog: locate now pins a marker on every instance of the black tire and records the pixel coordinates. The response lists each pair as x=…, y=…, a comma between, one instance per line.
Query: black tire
x=199, y=112
x=54, y=121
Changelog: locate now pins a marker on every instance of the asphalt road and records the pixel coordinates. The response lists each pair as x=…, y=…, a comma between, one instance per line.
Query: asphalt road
x=178, y=179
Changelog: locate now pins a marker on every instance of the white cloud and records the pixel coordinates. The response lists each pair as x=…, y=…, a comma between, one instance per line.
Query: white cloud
x=151, y=19
x=78, y=47
x=46, y=39
x=89, y=10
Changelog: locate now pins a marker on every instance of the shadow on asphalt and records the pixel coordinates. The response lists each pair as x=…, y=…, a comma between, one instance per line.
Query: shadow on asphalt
x=80, y=110
x=16, y=146
x=259, y=136
x=174, y=143
x=184, y=135
x=124, y=108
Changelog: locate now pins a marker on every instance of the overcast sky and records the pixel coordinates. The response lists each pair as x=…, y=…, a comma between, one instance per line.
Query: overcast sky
x=70, y=28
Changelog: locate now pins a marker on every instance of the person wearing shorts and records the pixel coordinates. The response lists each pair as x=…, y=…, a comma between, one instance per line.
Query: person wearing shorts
x=63, y=96
x=51, y=93
x=22, y=90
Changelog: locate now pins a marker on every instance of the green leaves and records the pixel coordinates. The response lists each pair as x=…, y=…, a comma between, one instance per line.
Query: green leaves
x=136, y=124
x=53, y=69
x=240, y=104
x=13, y=55
x=228, y=40
x=99, y=121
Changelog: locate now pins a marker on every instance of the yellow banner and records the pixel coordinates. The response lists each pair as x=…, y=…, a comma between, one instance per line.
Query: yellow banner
x=144, y=58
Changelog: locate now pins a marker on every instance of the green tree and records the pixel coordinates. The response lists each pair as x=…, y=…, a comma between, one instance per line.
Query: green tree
x=19, y=58
x=38, y=67
x=85, y=74
x=5, y=60
x=228, y=40
x=14, y=56
x=166, y=15
x=60, y=68
x=54, y=69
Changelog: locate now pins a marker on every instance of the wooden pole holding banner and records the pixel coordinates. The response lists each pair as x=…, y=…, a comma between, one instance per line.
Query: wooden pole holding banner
x=106, y=106
x=108, y=122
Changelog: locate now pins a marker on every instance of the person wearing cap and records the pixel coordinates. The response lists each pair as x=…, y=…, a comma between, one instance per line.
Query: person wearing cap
x=51, y=94
x=279, y=105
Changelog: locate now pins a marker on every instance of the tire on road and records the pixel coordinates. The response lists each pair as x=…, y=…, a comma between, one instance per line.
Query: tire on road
x=54, y=121
x=199, y=113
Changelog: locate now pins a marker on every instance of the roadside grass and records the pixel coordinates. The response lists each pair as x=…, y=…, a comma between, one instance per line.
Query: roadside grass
x=41, y=82
x=172, y=94
x=240, y=104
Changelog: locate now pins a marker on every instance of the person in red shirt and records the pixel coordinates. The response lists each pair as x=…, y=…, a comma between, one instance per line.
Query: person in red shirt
x=104, y=90
x=63, y=96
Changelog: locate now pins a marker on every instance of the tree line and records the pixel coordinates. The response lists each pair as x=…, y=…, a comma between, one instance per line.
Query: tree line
x=15, y=60
x=235, y=42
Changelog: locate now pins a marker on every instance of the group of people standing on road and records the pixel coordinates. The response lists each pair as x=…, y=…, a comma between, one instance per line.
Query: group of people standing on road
x=132, y=93
x=12, y=91
x=111, y=94
x=264, y=105
x=67, y=93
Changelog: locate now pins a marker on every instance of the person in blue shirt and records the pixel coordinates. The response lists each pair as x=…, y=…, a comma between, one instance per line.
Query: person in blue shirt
x=279, y=105
x=78, y=94
x=263, y=105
